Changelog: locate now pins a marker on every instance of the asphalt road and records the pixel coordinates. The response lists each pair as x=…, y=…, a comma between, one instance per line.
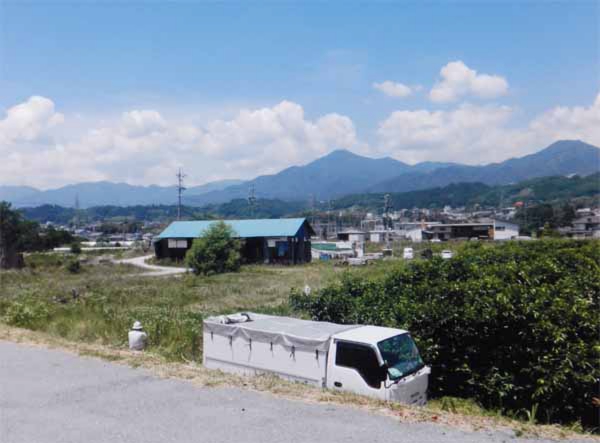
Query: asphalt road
x=153, y=270
x=52, y=396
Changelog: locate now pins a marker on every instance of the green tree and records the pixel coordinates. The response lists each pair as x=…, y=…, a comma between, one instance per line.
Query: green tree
x=10, y=231
x=75, y=248
x=217, y=251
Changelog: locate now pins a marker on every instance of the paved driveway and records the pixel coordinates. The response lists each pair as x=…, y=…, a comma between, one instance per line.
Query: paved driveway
x=152, y=270
x=52, y=396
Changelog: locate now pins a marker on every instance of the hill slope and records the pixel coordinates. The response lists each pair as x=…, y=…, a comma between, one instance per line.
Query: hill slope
x=561, y=158
x=338, y=173
x=104, y=193
x=332, y=176
x=542, y=189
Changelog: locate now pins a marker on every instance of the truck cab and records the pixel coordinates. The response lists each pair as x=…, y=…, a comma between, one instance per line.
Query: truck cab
x=379, y=362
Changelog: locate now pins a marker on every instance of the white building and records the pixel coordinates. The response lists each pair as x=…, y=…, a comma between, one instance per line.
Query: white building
x=504, y=230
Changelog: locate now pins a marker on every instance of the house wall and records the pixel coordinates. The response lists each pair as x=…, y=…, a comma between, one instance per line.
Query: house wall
x=505, y=231
x=282, y=250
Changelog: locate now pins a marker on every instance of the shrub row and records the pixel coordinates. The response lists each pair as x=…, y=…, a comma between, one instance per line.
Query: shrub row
x=515, y=326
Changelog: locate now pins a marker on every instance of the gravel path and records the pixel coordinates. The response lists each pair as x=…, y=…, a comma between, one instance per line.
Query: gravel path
x=153, y=270
x=54, y=396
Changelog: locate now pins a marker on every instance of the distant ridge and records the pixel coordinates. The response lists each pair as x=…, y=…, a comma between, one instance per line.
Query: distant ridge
x=104, y=193
x=334, y=175
x=563, y=157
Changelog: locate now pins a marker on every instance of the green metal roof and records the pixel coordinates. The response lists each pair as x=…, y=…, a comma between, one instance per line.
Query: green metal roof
x=328, y=247
x=282, y=227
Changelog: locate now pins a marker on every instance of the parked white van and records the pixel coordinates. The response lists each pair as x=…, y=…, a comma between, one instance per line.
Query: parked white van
x=379, y=362
x=408, y=254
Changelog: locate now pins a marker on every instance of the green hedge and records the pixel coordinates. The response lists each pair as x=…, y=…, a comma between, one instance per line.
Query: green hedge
x=514, y=326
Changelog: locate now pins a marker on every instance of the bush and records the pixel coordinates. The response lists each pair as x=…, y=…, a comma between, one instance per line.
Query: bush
x=514, y=327
x=73, y=266
x=217, y=251
x=75, y=248
x=27, y=315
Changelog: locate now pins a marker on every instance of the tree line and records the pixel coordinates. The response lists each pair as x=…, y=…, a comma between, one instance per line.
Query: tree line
x=18, y=235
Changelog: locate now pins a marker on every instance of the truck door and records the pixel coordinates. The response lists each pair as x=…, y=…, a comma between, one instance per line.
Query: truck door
x=357, y=369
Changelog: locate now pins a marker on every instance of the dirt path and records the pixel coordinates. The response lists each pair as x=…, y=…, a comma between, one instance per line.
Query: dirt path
x=152, y=270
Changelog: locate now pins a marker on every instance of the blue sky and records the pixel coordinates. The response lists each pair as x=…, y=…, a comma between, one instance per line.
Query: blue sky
x=192, y=66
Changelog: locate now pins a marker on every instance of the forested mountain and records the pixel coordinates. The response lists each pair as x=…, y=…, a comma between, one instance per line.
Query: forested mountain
x=333, y=176
x=540, y=190
x=564, y=157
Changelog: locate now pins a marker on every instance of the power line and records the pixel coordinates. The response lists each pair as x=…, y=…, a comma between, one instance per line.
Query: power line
x=180, y=188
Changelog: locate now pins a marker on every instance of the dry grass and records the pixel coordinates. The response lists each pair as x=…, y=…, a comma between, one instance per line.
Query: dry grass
x=202, y=377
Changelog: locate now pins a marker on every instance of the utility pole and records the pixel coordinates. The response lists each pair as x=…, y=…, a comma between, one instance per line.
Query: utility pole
x=387, y=218
x=180, y=188
x=76, y=221
x=251, y=200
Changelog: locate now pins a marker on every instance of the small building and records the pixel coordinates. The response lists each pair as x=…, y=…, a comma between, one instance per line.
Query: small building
x=351, y=235
x=504, y=230
x=285, y=241
x=584, y=227
x=455, y=231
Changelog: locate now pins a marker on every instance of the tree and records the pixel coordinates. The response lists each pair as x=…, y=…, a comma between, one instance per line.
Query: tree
x=75, y=248
x=217, y=251
x=10, y=229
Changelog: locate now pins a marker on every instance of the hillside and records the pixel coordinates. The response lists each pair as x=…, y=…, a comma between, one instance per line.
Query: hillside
x=104, y=193
x=330, y=177
x=333, y=175
x=546, y=189
x=537, y=190
x=561, y=158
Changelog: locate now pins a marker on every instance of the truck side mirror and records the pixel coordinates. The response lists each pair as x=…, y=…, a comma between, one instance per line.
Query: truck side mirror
x=383, y=371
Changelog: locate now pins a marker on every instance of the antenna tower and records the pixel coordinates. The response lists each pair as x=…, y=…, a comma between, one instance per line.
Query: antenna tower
x=180, y=188
x=387, y=209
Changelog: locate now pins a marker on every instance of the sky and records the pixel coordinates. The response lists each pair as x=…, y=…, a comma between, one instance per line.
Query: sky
x=132, y=91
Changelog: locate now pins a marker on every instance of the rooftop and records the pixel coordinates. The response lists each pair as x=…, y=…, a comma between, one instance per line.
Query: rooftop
x=282, y=227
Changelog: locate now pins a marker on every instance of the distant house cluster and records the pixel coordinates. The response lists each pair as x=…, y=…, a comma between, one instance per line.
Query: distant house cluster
x=585, y=225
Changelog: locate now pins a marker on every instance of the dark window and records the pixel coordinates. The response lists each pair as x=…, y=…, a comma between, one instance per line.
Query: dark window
x=361, y=358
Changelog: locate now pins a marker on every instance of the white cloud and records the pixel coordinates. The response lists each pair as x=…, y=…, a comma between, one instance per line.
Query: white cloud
x=458, y=80
x=144, y=147
x=453, y=135
x=29, y=121
x=393, y=89
x=562, y=122
x=138, y=123
x=477, y=134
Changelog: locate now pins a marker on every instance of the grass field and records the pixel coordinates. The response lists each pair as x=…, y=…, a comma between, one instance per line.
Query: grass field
x=110, y=297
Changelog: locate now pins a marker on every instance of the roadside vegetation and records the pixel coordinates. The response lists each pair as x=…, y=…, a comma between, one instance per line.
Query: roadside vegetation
x=514, y=326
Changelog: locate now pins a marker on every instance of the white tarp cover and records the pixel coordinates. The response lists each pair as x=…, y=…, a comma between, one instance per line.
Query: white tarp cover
x=292, y=332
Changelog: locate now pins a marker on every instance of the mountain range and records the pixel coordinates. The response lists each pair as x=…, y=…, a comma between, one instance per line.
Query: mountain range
x=104, y=193
x=337, y=174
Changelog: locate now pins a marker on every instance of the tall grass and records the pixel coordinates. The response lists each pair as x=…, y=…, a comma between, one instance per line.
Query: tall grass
x=111, y=297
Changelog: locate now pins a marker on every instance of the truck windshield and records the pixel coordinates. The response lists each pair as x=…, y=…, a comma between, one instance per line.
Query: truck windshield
x=401, y=355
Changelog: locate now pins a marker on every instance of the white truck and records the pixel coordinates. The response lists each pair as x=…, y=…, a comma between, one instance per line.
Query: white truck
x=379, y=362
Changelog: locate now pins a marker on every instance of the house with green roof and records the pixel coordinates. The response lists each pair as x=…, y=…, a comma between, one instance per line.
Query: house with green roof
x=283, y=241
